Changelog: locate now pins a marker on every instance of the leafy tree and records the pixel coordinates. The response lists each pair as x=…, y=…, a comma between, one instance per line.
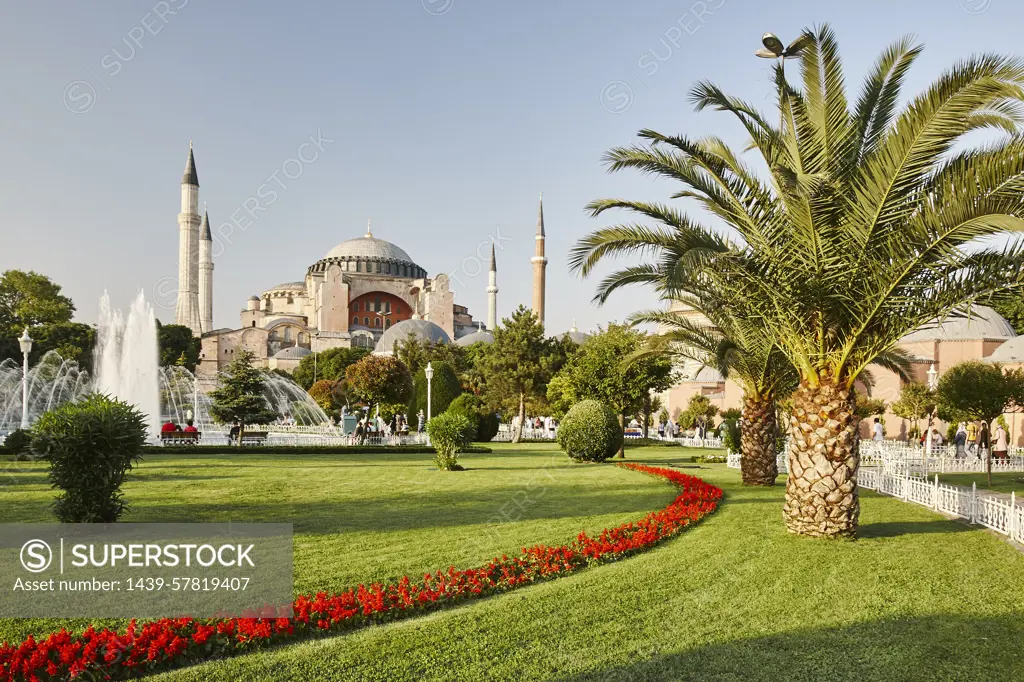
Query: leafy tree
x=175, y=341
x=1011, y=307
x=916, y=402
x=379, y=379
x=978, y=391
x=870, y=219
x=239, y=395
x=444, y=388
x=732, y=413
x=329, y=364
x=485, y=422
x=607, y=368
x=590, y=432
x=324, y=394
x=517, y=366
x=29, y=299
x=699, y=412
x=869, y=407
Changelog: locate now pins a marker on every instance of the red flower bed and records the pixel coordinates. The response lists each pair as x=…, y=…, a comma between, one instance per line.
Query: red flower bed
x=174, y=642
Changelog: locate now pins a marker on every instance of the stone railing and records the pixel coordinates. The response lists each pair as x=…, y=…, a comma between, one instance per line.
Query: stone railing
x=991, y=510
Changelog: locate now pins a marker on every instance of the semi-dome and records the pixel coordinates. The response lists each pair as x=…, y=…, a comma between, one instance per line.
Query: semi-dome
x=1010, y=352
x=288, y=286
x=981, y=322
x=479, y=336
x=424, y=330
x=292, y=353
x=370, y=255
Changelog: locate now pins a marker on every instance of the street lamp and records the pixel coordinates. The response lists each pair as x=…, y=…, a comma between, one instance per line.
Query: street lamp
x=932, y=385
x=429, y=371
x=774, y=49
x=315, y=336
x=26, y=347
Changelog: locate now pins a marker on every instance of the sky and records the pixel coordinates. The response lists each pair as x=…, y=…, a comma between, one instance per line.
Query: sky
x=440, y=120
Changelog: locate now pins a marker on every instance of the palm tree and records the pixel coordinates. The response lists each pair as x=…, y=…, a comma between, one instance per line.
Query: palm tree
x=739, y=350
x=871, y=221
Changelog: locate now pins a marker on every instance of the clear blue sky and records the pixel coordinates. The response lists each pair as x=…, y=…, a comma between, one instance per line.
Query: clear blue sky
x=448, y=117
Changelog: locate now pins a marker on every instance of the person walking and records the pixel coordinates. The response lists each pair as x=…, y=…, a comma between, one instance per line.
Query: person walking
x=1000, y=446
x=960, y=441
x=984, y=441
x=972, y=438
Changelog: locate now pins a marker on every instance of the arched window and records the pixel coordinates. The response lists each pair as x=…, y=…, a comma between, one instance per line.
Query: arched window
x=355, y=320
x=254, y=323
x=298, y=338
x=376, y=304
x=359, y=266
x=355, y=307
x=291, y=300
x=387, y=307
x=366, y=322
x=273, y=335
x=287, y=334
x=266, y=306
x=387, y=323
x=376, y=322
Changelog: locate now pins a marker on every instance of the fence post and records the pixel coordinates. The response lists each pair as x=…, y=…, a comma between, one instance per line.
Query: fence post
x=974, y=500
x=906, y=484
x=1013, y=515
x=942, y=464
x=935, y=493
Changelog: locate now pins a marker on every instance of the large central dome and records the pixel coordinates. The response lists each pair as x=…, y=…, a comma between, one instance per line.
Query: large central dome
x=369, y=247
x=369, y=255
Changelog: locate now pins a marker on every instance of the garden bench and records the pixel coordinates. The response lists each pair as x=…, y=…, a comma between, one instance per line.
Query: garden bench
x=180, y=438
x=254, y=438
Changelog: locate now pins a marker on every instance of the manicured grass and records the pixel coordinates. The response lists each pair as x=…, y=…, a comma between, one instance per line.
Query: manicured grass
x=1001, y=483
x=917, y=597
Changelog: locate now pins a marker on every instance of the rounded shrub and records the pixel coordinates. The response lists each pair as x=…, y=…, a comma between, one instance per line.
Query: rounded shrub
x=91, y=446
x=444, y=388
x=448, y=436
x=590, y=432
x=18, y=441
x=484, y=422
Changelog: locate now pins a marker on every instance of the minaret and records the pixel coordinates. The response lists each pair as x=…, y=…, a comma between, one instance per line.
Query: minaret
x=492, y=294
x=540, y=265
x=205, y=274
x=187, y=313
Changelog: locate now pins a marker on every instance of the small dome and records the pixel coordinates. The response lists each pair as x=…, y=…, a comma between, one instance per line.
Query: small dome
x=423, y=330
x=707, y=375
x=254, y=297
x=292, y=353
x=1010, y=352
x=480, y=336
x=982, y=322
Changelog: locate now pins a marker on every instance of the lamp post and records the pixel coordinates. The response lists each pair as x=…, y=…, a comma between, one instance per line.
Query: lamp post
x=26, y=347
x=429, y=371
x=315, y=336
x=774, y=49
x=933, y=383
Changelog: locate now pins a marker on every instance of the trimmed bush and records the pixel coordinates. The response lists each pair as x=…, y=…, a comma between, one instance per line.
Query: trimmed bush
x=444, y=388
x=91, y=446
x=18, y=441
x=590, y=432
x=448, y=436
x=484, y=423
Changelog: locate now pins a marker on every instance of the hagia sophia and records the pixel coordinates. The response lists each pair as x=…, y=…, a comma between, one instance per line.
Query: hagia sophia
x=365, y=292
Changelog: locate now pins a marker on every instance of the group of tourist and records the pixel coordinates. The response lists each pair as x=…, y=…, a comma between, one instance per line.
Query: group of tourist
x=539, y=427
x=969, y=439
x=171, y=427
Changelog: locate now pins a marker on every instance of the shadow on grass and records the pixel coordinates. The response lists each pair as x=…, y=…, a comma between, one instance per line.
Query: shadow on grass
x=941, y=647
x=897, y=528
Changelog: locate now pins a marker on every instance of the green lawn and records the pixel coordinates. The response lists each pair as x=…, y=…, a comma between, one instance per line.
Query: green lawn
x=918, y=597
x=1002, y=483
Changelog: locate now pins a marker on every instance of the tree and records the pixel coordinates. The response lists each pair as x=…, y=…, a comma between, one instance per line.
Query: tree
x=870, y=220
x=329, y=364
x=607, y=368
x=916, y=402
x=239, y=395
x=517, y=366
x=977, y=391
x=175, y=342
x=379, y=379
x=444, y=388
x=29, y=299
x=866, y=406
x=324, y=394
x=699, y=412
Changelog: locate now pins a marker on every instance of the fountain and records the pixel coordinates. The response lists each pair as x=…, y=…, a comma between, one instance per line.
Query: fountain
x=127, y=367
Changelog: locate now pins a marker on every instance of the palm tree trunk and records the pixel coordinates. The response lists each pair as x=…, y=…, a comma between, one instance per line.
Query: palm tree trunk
x=821, y=490
x=757, y=437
